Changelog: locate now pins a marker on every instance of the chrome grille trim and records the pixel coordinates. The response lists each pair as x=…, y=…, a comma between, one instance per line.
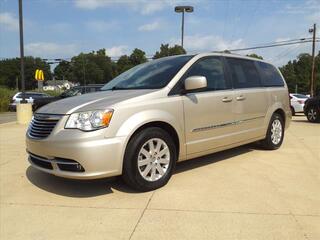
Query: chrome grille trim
x=42, y=125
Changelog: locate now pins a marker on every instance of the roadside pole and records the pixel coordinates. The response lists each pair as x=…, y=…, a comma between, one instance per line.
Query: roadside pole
x=24, y=109
x=21, y=53
x=312, y=80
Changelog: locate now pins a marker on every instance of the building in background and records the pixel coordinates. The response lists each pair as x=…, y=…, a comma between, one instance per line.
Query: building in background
x=57, y=85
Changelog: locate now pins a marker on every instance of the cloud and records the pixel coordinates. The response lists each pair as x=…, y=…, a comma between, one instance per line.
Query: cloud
x=117, y=51
x=150, y=26
x=50, y=49
x=91, y=4
x=9, y=21
x=101, y=26
x=314, y=17
x=209, y=43
x=150, y=7
x=310, y=8
x=145, y=7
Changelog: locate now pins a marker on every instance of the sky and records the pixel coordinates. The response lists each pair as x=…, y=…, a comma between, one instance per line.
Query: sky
x=64, y=28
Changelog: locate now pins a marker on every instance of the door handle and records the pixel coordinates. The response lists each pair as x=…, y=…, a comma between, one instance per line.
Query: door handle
x=241, y=98
x=226, y=99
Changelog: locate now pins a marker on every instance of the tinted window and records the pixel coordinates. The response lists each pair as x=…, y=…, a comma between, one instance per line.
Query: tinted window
x=244, y=73
x=212, y=69
x=270, y=75
x=151, y=75
x=30, y=95
x=300, y=96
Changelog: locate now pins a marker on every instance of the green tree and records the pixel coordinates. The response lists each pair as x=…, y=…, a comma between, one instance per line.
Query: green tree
x=123, y=64
x=63, y=71
x=87, y=68
x=166, y=50
x=137, y=57
x=297, y=73
x=10, y=72
x=253, y=55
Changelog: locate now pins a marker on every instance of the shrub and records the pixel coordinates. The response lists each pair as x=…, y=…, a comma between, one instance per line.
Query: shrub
x=5, y=96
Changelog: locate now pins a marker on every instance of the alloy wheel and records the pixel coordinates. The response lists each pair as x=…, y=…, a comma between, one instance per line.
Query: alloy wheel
x=153, y=159
x=312, y=114
x=276, y=131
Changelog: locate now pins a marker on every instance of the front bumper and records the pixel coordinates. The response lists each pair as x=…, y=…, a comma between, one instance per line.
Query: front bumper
x=98, y=156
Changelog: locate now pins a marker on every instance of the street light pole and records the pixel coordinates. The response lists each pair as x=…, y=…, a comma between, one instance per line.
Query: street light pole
x=183, y=9
x=21, y=53
x=182, y=29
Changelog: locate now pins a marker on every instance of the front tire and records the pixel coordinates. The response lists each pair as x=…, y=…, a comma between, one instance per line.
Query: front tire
x=313, y=114
x=293, y=112
x=149, y=160
x=275, y=133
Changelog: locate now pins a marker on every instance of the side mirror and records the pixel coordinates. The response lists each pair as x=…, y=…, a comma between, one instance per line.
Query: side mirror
x=195, y=83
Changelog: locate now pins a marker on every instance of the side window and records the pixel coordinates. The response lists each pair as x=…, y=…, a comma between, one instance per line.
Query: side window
x=28, y=95
x=269, y=75
x=212, y=69
x=244, y=73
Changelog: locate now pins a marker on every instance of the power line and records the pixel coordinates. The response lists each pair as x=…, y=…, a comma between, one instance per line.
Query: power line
x=266, y=45
x=269, y=46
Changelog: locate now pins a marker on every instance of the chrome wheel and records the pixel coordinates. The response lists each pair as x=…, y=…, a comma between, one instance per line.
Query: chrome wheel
x=312, y=114
x=153, y=159
x=276, y=132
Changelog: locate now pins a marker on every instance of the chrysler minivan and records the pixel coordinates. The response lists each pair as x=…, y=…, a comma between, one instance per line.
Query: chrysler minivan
x=159, y=113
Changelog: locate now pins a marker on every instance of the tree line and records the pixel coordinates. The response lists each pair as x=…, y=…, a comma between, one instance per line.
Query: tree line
x=97, y=67
x=85, y=68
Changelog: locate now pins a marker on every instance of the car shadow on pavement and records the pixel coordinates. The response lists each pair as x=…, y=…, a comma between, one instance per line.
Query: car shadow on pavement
x=92, y=188
x=73, y=187
x=213, y=158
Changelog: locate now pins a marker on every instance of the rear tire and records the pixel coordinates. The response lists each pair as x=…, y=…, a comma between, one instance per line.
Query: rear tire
x=293, y=113
x=275, y=133
x=313, y=114
x=149, y=160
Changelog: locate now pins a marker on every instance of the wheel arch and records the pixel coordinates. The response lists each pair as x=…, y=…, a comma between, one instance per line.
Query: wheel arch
x=281, y=112
x=163, y=125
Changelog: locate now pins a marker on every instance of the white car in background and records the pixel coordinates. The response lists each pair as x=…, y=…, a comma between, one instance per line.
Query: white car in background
x=29, y=96
x=297, y=102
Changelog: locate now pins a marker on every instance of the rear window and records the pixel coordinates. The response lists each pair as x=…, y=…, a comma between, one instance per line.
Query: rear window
x=244, y=73
x=300, y=96
x=270, y=75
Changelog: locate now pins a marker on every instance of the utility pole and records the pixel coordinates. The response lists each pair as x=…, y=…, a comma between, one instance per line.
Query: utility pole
x=21, y=53
x=312, y=80
x=84, y=73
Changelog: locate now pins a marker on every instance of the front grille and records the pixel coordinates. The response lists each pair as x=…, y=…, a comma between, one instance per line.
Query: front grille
x=42, y=125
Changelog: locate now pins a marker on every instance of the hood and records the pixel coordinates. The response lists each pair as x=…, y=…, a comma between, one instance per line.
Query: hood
x=91, y=101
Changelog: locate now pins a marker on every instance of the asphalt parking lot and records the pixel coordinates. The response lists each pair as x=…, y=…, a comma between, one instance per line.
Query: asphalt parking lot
x=8, y=117
x=244, y=193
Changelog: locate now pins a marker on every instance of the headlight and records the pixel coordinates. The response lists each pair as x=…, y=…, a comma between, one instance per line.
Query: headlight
x=91, y=120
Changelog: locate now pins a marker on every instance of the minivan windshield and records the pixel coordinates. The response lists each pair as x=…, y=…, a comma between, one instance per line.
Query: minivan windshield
x=151, y=75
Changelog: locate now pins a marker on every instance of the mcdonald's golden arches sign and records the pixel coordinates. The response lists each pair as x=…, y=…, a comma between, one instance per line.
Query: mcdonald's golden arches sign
x=39, y=76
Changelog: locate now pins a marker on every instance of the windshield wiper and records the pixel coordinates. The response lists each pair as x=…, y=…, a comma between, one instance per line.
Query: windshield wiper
x=117, y=88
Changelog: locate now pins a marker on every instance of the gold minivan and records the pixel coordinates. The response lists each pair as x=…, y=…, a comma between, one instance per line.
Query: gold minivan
x=158, y=113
